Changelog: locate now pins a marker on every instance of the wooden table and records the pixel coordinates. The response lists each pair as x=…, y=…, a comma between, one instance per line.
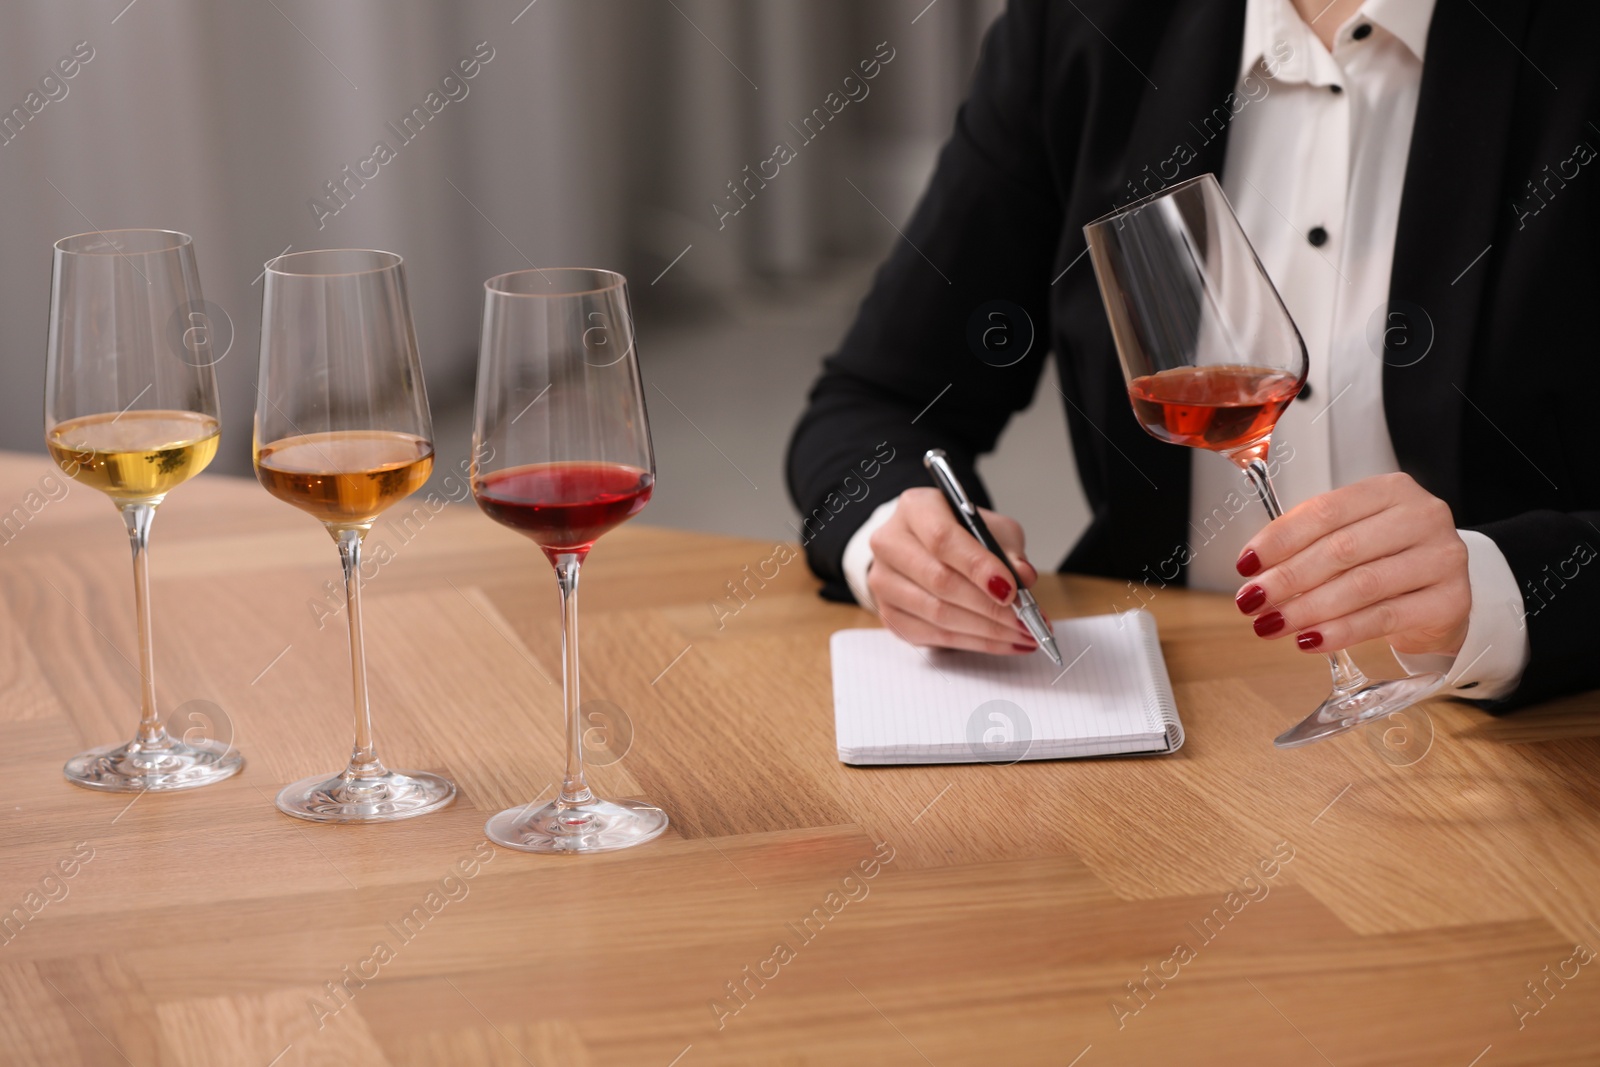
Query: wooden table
x=1413, y=891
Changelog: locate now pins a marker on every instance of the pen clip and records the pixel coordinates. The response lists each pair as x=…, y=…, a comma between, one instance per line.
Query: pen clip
x=938, y=466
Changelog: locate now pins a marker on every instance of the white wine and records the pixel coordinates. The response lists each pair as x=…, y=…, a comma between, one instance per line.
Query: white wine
x=135, y=455
x=345, y=477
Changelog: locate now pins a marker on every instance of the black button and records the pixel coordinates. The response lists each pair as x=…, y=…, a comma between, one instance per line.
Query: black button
x=1336, y=89
x=1305, y=392
x=1318, y=236
x=1361, y=32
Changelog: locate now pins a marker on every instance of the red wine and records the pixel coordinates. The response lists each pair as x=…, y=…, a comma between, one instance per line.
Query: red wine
x=564, y=507
x=1225, y=407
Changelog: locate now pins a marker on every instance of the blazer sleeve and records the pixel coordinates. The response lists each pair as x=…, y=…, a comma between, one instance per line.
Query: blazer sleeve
x=1554, y=557
x=905, y=379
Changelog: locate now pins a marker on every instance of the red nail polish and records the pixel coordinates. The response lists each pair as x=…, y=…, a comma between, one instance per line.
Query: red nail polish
x=1249, y=563
x=1250, y=599
x=1000, y=589
x=1269, y=624
x=1310, y=641
x=1025, y=648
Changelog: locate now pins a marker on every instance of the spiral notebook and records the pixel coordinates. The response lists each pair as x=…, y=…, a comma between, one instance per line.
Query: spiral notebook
x=894, y=703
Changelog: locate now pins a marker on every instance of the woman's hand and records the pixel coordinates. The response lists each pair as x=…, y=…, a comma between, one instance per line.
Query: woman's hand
x=1380, y=558
x=936, y=585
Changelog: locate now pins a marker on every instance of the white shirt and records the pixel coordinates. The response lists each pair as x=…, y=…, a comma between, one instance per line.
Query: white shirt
x=1315, y=176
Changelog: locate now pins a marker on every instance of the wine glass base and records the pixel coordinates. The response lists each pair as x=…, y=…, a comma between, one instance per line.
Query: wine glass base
x=1342, y=712
x=134, y=768
x=598, y=826
x=383, y=798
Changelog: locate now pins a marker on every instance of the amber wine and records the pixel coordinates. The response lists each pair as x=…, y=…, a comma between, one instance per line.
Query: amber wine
x=346, y=477
x=135, y=455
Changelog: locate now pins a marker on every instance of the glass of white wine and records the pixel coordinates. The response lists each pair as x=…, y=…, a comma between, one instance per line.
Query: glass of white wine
x=342, y=432
x=130, y=408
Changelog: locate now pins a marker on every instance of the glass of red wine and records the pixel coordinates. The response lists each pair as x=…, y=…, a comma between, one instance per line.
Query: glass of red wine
x=562, y=454
x=1212, y=358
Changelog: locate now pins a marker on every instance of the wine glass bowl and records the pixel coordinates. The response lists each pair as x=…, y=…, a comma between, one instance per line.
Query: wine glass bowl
x=1212, y=358
x=131, y=410
x=1210, y=354
x=562, y=454
x=342, y=432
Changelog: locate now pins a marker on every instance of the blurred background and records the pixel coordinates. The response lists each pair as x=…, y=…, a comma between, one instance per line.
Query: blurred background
x=589, y=134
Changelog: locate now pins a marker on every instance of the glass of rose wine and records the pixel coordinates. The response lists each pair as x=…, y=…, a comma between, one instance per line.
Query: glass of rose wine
x=342, y=432
x=130, y=408
x=1212, y=358
x=562, y=454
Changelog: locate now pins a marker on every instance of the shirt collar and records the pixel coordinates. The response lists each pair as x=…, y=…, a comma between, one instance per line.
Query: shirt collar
x=1273, y=29
x=1275, y=33
x=1408, y=20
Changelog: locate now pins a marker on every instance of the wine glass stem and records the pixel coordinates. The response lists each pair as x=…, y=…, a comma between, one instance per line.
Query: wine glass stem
x=137, y=517
x=574, y=790
x=1347, y=677
x=364, y=761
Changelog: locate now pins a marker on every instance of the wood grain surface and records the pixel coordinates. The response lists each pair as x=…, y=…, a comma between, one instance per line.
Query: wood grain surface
x=1426, y=892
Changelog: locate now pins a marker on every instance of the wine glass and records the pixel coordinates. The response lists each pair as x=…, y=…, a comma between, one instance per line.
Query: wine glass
x=561, y=453
x=342, y=432
x=130, y=408
x=1212, y=359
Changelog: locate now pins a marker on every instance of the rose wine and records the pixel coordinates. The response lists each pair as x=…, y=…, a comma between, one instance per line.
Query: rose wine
x=345, y=478
x=564, y=507
x=1225, y=407
x=134, y=455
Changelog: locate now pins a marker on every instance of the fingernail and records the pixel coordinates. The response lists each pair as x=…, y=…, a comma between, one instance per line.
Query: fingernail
x=1269, y=624
x=1025, y=648
x=1248, y=563
x=1250, y=598
x=1310, y=641
x=1000, y=589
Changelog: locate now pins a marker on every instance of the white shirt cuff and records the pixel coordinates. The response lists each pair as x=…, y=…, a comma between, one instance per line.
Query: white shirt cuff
x=1495, y=651
x=858, y=553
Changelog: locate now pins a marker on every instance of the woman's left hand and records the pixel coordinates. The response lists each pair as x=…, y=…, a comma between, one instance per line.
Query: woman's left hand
x=1377, y=559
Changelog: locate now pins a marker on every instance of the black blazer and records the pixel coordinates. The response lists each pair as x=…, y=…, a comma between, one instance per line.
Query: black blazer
x=1062, y=125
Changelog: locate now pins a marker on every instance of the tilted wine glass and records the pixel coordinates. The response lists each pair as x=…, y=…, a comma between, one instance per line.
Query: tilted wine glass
x=130, y=408
x=562, y=454
x=1212, y=358
x=342, y=432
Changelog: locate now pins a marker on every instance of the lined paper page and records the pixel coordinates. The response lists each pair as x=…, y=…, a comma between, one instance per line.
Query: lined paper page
x=894, y=703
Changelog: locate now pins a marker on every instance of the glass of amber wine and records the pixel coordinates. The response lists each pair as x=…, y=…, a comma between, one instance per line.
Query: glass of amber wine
x=130, y=408
x=562, y=455
x=342, y=432
x=1212, y=358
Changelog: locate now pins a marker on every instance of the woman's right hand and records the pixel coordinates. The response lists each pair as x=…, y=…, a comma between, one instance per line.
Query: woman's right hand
x=935, y=585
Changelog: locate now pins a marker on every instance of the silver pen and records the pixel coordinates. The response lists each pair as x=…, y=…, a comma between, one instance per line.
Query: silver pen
x=1024, y=605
